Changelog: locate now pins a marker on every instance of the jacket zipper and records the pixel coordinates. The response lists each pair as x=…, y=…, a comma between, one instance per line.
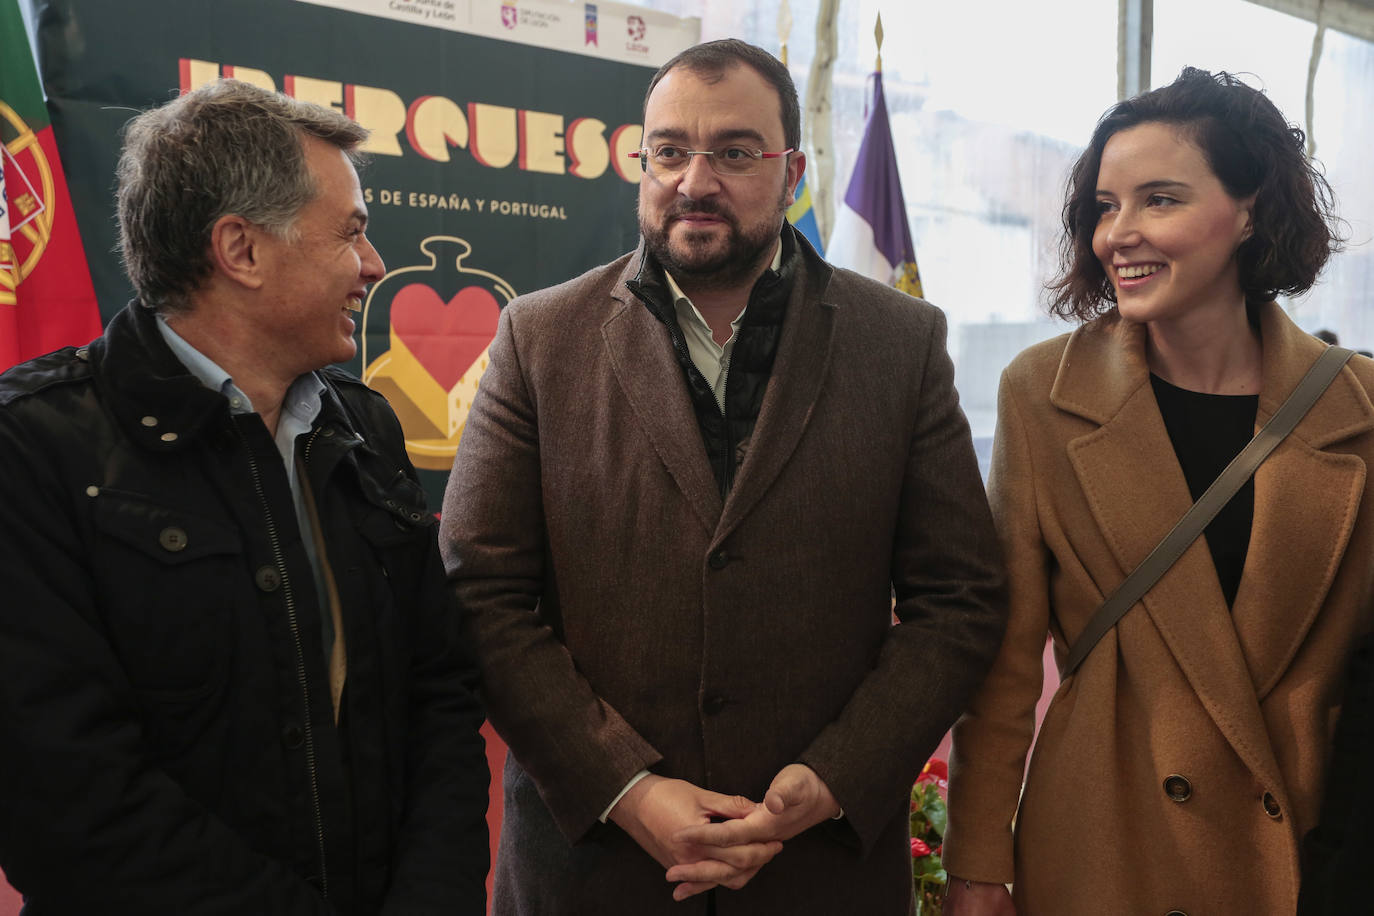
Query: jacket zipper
x=294, y=625
x=314, y=434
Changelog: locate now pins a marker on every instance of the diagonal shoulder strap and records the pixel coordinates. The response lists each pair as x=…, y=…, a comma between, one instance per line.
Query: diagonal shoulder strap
x=1316, y=381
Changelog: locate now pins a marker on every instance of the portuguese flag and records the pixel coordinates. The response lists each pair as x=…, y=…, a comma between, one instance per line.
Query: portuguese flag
x=46, y=299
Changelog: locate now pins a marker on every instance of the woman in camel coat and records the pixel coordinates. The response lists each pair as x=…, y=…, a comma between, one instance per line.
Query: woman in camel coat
x=1177, y=770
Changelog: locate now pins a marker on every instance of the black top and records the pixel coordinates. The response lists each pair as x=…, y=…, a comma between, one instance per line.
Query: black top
x=1207, y=431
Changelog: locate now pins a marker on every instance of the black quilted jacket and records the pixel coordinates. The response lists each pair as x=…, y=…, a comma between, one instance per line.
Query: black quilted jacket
x=167, y=731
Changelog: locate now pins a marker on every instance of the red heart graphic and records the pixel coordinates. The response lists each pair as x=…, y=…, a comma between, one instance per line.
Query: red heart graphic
x=446, y=337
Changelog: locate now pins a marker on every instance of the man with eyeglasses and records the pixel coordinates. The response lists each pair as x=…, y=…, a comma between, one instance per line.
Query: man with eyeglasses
x=693, y=490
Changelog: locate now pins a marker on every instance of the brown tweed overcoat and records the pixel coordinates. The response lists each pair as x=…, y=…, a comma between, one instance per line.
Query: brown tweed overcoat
x=1180, y=766
x=624, y=617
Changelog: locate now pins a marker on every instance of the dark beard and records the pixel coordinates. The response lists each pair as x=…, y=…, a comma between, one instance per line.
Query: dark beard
x=738, y=262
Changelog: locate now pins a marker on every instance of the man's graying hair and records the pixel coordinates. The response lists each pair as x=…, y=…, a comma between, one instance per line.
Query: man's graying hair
x=226, y=148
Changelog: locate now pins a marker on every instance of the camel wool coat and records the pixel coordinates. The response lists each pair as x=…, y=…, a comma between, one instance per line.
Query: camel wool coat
x=1179, y=768
x=626, y=617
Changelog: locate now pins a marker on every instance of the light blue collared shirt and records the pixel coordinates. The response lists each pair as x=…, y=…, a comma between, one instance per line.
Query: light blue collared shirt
x=299, y=409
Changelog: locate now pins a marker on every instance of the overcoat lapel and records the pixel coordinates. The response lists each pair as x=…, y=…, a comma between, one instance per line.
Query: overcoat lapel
x=1306, y=501
x=1136, y=492
x=799, y=372
x=642, y=358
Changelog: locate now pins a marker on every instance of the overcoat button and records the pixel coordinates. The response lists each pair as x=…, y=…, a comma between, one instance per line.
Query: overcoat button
x=1271, y=805
x=292, y=736
x=267, y=578
x=149, y=421
x=1175, y=913
x=327, y=432
x=1178, y=788
x=172, y=539
x=719, y=559
x=713, y=704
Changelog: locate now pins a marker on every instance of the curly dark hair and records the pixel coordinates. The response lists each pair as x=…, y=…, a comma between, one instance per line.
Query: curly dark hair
x=1251, y=149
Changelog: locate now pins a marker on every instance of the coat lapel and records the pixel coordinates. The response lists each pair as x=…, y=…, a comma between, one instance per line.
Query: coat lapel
x=642, y=359
x=1137, y=493
x=799, y=372
x=1306, y=501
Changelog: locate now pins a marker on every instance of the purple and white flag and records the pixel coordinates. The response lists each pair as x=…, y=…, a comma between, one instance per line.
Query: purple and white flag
x=871, y=233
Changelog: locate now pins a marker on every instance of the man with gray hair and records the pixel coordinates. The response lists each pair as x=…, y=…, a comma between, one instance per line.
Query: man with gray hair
x=232, y=678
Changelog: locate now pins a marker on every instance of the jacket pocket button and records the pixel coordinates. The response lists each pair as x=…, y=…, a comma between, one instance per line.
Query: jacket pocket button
x=267, y=578
x=292, y=736
x=172, y=539
x=1178, y=788
x=1271, y=805
x=719, y=560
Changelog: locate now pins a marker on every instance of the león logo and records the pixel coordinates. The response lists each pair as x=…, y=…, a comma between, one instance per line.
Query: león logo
x=26, y=193
x=438, y=320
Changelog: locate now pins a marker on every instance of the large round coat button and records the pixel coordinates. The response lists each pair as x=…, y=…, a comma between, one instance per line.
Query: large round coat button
x=1175, y=913
x=1178, y=788
x=172, y=538
x=267, y=578
x=713, y=704
x=1271, y=805
x=719, y=559
x=292, y=736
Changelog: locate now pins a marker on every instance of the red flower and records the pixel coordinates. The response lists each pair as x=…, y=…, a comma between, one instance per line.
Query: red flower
x=919, y=848
x=935, y=770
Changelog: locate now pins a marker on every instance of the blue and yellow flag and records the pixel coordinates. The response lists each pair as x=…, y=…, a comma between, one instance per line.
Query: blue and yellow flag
x=803, y=217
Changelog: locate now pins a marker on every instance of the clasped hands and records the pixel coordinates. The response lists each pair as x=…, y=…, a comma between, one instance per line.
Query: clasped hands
x=672, y=820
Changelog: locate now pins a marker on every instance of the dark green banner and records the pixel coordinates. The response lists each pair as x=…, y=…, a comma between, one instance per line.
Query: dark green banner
x=497, y=167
